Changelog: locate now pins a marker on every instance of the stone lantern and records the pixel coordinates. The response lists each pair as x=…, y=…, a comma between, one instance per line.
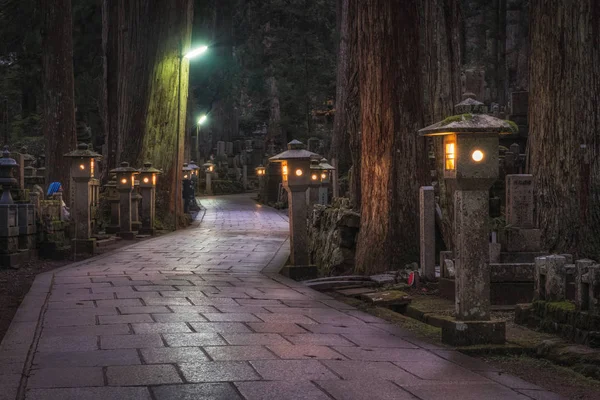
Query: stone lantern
x=312, y=197
x=195, y=173
x=260, y=174
x=9, y=227
x=209, y=168
x=125, y=182
x=187, y=187
x=470, y=146
x=83, y=169
x=296, y=173
x=326, y=171
x=148, y=178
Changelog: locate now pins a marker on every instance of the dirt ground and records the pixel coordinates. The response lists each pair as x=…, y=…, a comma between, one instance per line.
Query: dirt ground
x=15, y=283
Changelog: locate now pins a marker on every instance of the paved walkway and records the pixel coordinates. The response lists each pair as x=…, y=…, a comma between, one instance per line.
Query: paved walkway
x=202, y=314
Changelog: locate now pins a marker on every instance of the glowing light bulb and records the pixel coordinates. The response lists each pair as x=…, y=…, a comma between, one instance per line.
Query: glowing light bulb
x=299, y=172
x=314, y=177
x=477, y=155
x=81, y=167
x=146, y=180
x=323, y=176
x=124, y=181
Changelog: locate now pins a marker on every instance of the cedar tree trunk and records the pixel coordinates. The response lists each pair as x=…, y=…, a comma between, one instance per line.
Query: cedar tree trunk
x=152, y=78
x=440, y=57
x=394, y=160
x=345, y=147
x=564, y=112
x=59, y=92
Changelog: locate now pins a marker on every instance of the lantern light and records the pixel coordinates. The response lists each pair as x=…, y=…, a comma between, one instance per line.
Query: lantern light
x=323, y=175
x=81, y=159
x=450, y=156
x=124, y=181
x=477, y=155
x=146, y=180
x=314, y=177
x=299, y=172
x=284, y=170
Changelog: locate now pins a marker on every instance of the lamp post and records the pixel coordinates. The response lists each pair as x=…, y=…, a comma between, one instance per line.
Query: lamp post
x=196, y=141
x=471, y=161
x=189, y=55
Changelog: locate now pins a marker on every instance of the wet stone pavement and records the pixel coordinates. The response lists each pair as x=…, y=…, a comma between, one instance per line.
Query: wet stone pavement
x=202, y=314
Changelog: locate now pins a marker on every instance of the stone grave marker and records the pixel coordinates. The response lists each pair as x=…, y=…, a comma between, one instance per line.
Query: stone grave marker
x=519, y=201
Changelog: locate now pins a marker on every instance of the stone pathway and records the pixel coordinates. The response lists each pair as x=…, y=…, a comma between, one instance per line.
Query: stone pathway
x=202, y=314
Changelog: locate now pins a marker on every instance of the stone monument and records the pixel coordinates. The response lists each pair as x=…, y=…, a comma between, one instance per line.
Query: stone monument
x=10, y=256
x=327, y=170
x=427, y=232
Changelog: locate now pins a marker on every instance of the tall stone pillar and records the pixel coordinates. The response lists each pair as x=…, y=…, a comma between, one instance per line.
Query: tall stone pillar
x=148, y=178
x=427, y=232
x=297, y=213
x=125, y=184
x=471, y=231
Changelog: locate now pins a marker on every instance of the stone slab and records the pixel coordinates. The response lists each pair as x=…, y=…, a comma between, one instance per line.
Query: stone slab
x=469, y=333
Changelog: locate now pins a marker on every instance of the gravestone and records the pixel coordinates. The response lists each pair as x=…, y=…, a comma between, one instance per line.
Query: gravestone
x=229, y=148
x=427, y=232
x=522, y=234
x=220, y=148
x=519, y=201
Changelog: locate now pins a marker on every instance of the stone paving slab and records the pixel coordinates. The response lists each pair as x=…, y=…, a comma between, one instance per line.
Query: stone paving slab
x=203, y=314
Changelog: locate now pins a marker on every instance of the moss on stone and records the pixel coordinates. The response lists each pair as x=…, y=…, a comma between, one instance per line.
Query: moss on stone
x=457, y=118
x=562, y=305
x=513, y=126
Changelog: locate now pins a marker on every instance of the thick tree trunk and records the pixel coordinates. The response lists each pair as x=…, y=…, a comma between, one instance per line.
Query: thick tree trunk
x=564, y=145
x=352, y=103
x=59, y=92
x=440, y=57
x=153, y=87
x=110, y=108
x=393, y=156
x=346, y=114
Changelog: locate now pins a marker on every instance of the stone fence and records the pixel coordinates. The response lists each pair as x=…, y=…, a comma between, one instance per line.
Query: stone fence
x=559, y=278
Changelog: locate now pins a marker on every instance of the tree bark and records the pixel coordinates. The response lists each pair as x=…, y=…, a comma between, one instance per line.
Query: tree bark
x=440, y=58
x=352, y=103
x=153, y=86
x=59, y=92
x=394, y=158
x=110, y=110
x=564, y=145
x=346, y=104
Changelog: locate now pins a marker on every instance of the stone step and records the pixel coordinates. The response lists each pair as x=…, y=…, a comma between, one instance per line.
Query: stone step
x=339, y=284
x=520, y=257
x=512, y=272
x=337, y=278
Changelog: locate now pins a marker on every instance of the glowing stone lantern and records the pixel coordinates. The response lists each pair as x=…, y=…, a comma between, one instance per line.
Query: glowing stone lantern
x=148, y=179
x=125, y=179
x=83, y=170
x=326, y=171
x=296, y=172
x=471, y=155
x=315, y=183
x=209, y=168
x=261, y=173
x=187, y=187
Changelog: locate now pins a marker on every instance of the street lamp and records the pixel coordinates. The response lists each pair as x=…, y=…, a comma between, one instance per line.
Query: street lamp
x=196, y=142
x=176, y=193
